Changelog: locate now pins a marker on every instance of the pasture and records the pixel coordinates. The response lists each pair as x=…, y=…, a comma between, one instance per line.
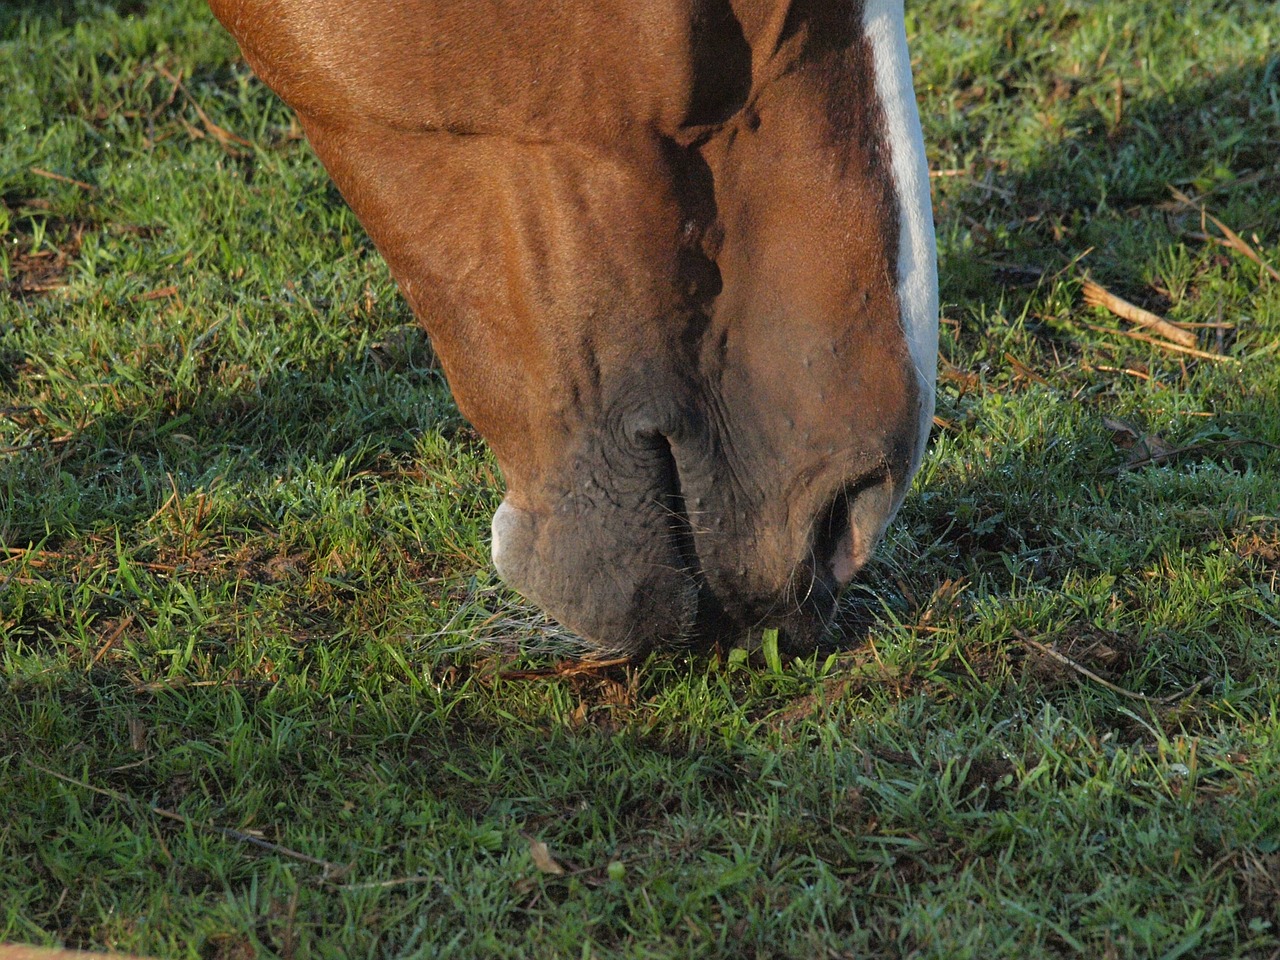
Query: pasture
x=261, y=694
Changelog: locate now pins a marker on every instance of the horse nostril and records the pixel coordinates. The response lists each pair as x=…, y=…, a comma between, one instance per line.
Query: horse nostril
x=848, y=531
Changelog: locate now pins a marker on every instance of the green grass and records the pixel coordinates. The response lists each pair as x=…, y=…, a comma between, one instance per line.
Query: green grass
x=244, y=583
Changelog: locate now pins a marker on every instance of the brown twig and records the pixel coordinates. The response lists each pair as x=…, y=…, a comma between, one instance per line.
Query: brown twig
x=331, y=870
x=43, y=558
x=1022, y=370
x=1229, y=239
x=221, y=134
x=1095, y=295
x=1127, y=370
x=1114, y=688
x=175, y=81
x=35, y=444
x=1162, y=344
x=383, y=884
x=565, y=668
x=18, y=951
x=50, y=175
x=1206, y=325
x=1166, y=455
x=160, y=294
x=110, y=641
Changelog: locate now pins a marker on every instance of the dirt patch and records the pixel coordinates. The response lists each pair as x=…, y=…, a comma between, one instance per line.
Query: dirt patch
x=32, y=273
x=1109, y=655
x=850, y=681
x=981, y=782
x=1257, y=880
x=229, y=946
x=1260, y=548
x=606, y=690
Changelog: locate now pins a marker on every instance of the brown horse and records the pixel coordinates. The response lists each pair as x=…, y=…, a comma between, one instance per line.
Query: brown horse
x=677, y=260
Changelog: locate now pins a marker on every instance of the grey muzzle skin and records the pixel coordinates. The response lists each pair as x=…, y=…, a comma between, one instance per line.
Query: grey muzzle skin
x=647, y=568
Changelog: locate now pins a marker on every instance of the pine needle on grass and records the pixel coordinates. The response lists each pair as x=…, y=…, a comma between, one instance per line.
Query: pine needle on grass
x=50, y=175
x=1229, y=239
x=1084, y=671
x=331, y=870
x=1157, y=342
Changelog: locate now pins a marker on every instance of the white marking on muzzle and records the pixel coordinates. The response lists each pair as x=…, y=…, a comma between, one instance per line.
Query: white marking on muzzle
x=504, y=519
x=884, y=25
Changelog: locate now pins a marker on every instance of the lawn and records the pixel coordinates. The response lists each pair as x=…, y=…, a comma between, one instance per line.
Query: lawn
x=261, y=693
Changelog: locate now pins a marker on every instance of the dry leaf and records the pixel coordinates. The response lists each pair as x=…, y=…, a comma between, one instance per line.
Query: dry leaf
x=567, y=668
x=137, y=735
x=1143, y=448
x=543, y=860
x=1022, y=371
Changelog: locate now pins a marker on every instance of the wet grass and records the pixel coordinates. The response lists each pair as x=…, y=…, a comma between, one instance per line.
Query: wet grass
x=262, y=696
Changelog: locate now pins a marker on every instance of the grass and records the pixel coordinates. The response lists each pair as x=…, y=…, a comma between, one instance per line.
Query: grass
x=245, y=593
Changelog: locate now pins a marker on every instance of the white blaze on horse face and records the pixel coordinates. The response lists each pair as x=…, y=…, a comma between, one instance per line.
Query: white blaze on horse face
x=504, y=519
x=884, y=25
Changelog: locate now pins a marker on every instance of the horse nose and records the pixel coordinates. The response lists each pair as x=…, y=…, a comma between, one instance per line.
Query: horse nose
x=846, y=533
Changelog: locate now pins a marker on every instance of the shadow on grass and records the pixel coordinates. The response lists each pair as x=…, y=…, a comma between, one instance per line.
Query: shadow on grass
x=66, y=12
x=1218, y=138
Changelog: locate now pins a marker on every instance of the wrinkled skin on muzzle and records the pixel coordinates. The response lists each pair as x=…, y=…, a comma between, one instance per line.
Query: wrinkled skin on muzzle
x=670, y=262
